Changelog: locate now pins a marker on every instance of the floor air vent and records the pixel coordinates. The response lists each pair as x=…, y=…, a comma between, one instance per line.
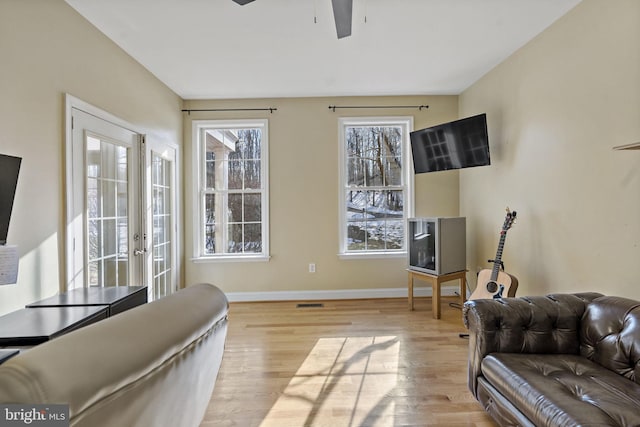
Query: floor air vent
x=309, y=305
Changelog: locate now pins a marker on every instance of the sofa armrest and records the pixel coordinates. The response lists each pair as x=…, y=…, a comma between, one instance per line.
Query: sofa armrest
x=537, y=324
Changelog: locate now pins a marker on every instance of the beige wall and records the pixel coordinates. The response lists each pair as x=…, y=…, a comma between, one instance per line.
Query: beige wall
x=303, y=138
x=47, y=50
x=555, y=110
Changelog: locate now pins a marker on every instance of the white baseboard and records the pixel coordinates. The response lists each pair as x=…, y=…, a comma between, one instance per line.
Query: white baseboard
x=337, y=294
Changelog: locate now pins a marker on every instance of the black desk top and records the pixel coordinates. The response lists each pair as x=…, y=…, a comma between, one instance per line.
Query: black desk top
x=90, y=296
x=34, y=326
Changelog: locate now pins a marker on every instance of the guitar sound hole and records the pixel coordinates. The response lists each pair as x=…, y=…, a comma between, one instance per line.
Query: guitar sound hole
x=492, y=287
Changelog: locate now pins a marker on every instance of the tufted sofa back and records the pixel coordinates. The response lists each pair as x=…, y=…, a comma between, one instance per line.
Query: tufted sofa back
x=538, y=324
x=610, y=335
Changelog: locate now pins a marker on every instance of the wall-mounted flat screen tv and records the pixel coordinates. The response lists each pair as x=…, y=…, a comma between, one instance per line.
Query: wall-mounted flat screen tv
x=459, y=144
x=9, y=168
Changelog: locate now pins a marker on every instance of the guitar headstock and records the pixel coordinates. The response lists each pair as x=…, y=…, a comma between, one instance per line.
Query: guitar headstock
x=509, y=220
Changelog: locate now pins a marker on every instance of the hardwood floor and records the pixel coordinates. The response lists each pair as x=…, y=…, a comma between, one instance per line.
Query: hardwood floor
x=348, y=363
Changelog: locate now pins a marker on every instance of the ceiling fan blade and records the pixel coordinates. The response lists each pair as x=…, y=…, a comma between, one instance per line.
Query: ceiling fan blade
x=243, y=2
x=342, y=13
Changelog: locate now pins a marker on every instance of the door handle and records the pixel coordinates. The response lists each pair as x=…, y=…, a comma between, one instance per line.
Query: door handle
x=137, y=252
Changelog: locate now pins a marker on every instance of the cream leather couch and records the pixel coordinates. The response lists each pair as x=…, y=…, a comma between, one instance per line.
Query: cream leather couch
x=154, y=365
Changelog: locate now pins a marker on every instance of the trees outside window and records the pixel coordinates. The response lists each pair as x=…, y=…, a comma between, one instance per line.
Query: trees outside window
x=376, y=183
x=232, y=189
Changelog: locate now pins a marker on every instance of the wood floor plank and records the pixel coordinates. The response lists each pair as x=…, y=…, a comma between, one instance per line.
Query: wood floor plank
x=348, y=363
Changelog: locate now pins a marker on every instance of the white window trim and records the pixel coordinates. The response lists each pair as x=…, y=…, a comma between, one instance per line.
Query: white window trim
x=408, y=176
x=198, y=153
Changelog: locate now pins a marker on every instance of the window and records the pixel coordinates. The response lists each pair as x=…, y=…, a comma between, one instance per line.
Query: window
x=231, y=181
x=376, y=182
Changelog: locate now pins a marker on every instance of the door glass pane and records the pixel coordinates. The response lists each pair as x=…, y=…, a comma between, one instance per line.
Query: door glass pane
x=107, y=213
x=162, y=218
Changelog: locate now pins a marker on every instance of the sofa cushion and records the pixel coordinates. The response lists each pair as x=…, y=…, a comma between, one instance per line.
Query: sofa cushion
x=610, y=335
x=499, y=407
x=561, y=390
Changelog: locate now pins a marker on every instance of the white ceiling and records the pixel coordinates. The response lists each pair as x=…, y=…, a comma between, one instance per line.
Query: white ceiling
x=212, y=49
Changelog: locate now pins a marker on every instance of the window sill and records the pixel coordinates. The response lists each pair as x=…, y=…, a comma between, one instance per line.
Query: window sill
x=230, y=258
x=372, y=255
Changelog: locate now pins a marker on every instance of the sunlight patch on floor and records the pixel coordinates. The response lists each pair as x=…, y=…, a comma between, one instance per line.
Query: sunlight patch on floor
x=343, y=381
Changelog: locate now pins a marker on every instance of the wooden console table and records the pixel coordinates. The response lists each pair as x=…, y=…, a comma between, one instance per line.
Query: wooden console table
x=435, y=282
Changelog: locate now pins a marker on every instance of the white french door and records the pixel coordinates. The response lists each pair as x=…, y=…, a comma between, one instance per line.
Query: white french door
x=105, y=225
x=121, y=204
x=161, y=209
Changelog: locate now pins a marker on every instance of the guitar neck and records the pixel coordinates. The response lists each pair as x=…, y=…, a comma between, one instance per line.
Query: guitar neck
x=498, y=259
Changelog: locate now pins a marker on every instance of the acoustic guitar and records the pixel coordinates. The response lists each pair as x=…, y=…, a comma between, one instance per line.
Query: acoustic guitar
x=495, y=283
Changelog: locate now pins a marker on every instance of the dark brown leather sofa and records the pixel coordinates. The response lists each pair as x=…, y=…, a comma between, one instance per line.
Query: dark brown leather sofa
x=556, y=360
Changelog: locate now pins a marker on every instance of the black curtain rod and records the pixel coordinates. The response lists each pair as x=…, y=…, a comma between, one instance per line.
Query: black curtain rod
x=271, y=109
x=419, y=107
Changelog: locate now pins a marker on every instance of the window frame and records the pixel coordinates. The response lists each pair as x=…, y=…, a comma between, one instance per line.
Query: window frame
x=199, y=189
x=406, y=122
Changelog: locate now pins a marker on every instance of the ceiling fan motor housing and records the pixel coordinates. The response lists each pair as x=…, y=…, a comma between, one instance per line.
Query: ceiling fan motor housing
x=342, y=13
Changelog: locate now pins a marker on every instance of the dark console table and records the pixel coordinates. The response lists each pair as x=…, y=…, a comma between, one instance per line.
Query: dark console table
x=116, y=298
x=51, y=317
x=29, y=326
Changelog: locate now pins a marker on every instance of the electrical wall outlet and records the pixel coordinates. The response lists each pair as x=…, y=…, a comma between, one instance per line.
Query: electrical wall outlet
x=312, y=268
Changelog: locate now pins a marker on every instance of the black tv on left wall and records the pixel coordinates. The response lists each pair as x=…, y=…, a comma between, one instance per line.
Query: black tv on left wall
x=9, y=169
x=458, y=144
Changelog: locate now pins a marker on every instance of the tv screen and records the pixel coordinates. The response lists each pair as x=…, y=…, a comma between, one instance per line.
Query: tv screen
x=9, y=168
x=455, y=145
